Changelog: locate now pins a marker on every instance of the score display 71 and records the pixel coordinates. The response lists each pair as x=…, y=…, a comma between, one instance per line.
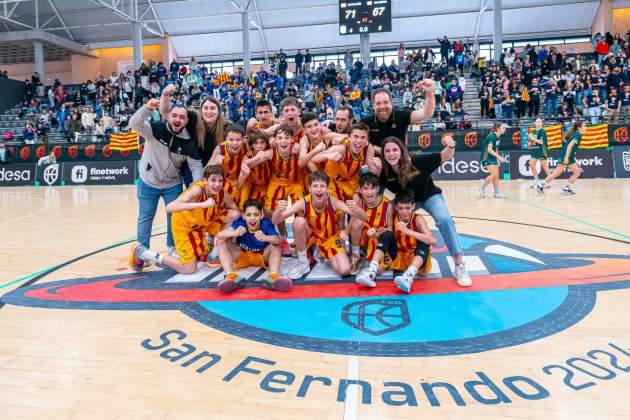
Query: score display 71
x=364, y=16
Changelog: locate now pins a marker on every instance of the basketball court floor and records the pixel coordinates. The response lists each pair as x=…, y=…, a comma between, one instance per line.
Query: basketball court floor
x=543, y=333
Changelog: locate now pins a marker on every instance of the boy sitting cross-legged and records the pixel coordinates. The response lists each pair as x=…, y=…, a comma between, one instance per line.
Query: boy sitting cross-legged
x=252, y=241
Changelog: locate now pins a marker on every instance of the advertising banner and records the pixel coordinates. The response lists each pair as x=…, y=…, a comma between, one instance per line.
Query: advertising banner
x=463, y=166
x=621, y=157
x=49, y=175
x=99, y=173
x=17, y=175
x=596, y=163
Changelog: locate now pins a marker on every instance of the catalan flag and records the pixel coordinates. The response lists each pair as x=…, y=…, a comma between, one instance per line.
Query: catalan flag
x=596, y=136
x=554, y=136
x=124, y=141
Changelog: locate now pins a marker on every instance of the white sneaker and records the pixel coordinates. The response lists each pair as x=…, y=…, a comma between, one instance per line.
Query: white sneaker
x=404, y=282
x=547, y=185
x=499, y=195
x=366, y=278
x=462, y=276
x=299, y=271
x=481, y=192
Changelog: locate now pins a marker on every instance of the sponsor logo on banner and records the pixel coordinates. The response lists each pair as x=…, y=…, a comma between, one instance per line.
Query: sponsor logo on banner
x=40, y=152
x=79, y=174
x=621, y=156
x=73, y=151
x=464, y=165
x=25, y=153
x=471, y=139
x=51, y=174
x=99, y=173
x=424, y=140
x=594, y=164
x=57, y=151
x=89, y=151
x=17, y=175
x=620, y=135
x=107, y=151
x=516, y=138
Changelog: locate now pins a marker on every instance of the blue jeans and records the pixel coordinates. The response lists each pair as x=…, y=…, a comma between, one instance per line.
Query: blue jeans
x=436, y=207
x=497, y=111
x=148, y=199
x=551, y=106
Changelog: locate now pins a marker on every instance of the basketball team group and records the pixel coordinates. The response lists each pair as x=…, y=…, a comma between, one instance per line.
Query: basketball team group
x=326, y=180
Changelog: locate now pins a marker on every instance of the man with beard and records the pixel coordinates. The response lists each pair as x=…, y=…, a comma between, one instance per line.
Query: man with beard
x=344, y=117
x=167, y=146
x=385, y=121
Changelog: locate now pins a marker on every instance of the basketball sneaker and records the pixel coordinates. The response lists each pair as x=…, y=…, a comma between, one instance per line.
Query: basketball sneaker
x=300, y=270
x=231, y=282
x=135, y=262
x=404, y=281
x=540, y=189
x=499, y=195
x=356, y=261
x=367, y=277
x=462, y=276
x=481, y=192
x=275, y=282
x=567, y=190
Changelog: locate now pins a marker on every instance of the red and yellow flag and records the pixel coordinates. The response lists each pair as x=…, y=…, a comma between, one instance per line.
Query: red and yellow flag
x=596, y=136
x=554, y=136
x=124, y=141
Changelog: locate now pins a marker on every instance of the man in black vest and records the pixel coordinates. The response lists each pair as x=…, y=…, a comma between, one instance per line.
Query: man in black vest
x=167, y=146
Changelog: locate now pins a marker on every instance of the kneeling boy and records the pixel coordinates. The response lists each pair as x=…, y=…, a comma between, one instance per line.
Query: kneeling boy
x=202, y=207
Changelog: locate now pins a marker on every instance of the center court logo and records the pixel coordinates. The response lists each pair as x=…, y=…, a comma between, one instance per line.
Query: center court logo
x=326, y=313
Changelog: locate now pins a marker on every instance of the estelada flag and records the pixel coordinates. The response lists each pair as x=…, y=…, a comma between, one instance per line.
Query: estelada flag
x=554, y=136
x=124, y=141
x=596, y=136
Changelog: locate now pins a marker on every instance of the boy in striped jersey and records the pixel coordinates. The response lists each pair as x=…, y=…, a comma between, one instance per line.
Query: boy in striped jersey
x=229, y=154
x=315, y=224
x=374, y=221
x=408, y=247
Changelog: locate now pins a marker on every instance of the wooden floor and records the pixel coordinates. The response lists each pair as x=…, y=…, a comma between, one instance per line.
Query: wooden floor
x=60, y=359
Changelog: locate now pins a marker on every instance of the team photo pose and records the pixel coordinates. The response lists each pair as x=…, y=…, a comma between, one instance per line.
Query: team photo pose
x=491, y=160
x=286, y=180
x=253, y=183
x=538, y=146
x=345, y=161
x=315, y=224
x=371, y=229
x=264, y=119
x=570, y=144
x=229, y=154
x=401, y=172
x=203, y=208
x=251, y=241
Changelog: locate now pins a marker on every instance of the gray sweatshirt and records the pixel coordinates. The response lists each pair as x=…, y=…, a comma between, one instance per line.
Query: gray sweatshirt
x=164, y=152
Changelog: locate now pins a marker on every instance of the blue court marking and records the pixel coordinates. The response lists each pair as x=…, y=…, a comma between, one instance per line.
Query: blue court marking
x=435, y=317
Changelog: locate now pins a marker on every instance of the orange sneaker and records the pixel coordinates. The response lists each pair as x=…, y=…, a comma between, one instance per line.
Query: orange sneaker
x=275, y=282
x=231, y=282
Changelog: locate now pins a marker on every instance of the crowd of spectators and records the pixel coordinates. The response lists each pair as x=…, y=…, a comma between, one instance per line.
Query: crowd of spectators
x=511, y=89
x=595, y=86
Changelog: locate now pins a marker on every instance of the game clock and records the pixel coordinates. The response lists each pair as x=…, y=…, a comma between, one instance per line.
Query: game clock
x=364, y=16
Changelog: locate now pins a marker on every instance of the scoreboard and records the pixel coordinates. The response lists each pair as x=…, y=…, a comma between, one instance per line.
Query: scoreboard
x=364, y=16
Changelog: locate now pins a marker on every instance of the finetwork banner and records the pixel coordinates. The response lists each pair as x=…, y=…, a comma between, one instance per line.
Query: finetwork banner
x=99, y=173
x=594, y=163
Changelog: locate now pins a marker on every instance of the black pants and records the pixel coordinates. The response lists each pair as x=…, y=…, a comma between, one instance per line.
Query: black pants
x=521, y=108
x=534, y=107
